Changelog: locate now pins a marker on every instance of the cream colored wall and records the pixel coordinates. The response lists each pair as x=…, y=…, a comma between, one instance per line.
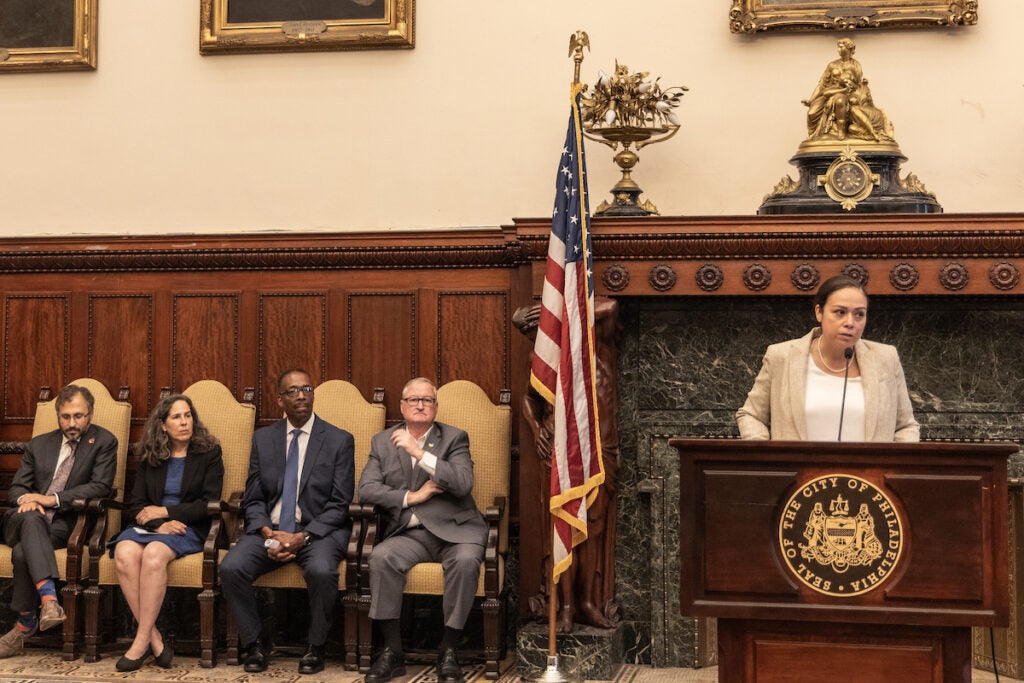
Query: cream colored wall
x=464, y=131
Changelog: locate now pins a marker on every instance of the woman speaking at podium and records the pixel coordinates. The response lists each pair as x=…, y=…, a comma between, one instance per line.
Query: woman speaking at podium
x=831, y=385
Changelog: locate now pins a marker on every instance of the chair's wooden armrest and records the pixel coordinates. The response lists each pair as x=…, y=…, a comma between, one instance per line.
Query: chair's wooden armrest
x=233, y=504
x=371, y=523
x=236, y=522
x=95, y=510
x=496, y=510
x=359, y=514
x=355, y=539
x=494, y=515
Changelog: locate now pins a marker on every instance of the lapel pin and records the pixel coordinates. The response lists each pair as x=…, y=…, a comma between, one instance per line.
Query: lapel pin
x=92, y=440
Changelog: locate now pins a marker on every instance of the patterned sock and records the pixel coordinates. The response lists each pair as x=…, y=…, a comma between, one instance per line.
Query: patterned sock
x=27, y=622
x=47, y=591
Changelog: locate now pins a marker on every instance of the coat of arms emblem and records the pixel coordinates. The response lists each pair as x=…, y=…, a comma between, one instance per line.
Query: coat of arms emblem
x=832, y=551
x=839, y=540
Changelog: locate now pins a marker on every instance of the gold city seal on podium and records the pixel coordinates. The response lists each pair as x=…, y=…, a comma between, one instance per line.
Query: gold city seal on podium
x=833, y=552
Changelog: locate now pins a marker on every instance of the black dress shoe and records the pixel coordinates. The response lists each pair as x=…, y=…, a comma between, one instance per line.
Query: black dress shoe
x=448, y=669
x=256, y=658
x=313, y=661
x=388, y=665
x=165, y=657
x=128, y=664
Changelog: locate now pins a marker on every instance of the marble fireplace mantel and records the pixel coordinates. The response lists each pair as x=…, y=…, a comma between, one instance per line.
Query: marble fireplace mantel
x=701, y=298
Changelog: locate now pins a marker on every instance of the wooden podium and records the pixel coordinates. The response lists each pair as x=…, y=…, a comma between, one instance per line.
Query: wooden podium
x=844, y=561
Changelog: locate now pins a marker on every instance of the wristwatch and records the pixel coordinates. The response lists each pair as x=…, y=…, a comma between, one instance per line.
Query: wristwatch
x=307, y=537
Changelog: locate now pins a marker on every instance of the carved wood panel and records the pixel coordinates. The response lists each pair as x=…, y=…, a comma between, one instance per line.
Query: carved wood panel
x=37, y=339
x=121, y=346
x=382, y=344
x=205, y=340
x=292, y=334
x=474, y=326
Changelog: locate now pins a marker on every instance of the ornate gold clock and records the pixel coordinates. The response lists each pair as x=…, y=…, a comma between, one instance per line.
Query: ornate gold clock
x=849, y=179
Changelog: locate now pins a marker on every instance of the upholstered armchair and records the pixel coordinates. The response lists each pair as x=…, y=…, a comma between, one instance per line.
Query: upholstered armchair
x=72, y=561
x=463, y=404
x=231, y=422
x=340, y=403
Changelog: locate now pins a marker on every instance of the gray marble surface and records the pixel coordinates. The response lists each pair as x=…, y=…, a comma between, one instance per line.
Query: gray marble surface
x=686, y=365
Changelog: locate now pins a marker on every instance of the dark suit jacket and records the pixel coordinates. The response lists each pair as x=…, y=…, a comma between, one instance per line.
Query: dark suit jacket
x=92, y=475
x=389, y=475
x=326, y=482
x=201, y=482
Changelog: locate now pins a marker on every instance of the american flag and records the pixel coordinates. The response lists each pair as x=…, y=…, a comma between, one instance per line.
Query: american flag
x=563, y=363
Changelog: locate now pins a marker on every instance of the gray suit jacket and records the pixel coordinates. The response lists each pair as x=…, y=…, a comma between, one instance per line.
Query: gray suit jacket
x=775, y=405
x=389, y=475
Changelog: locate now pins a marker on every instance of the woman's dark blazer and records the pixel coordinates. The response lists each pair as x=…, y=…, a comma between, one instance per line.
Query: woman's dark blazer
x=201, y=482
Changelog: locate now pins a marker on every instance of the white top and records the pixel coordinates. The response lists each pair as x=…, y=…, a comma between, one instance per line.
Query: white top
x=824, y=401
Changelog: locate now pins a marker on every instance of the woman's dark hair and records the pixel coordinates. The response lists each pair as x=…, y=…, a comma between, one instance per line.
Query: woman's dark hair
x=155, y=446
x=834, y=284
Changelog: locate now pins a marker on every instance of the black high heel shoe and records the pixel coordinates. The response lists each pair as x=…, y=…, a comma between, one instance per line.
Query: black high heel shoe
x=165, y=657
x=127, y=664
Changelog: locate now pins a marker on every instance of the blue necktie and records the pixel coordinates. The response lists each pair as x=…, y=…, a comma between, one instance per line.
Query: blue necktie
x=291, y=483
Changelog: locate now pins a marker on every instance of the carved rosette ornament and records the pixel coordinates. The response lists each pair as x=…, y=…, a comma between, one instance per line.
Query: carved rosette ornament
x=857, y=272
x=904, y=276
x=954, y=276
x=662, y=277
x=1004, y=275
x=709, y=277
x=615, y=278
x=757, y=277
x=805, y=277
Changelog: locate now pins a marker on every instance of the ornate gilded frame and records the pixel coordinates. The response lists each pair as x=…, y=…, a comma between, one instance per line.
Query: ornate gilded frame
x=754, y=16
x=273, y=31
x=46, y=51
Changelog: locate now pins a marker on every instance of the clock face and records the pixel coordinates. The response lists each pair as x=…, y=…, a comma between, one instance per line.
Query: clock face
x=849, y=178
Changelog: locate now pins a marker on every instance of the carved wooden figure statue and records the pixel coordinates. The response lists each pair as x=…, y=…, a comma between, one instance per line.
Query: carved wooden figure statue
x=587, y=589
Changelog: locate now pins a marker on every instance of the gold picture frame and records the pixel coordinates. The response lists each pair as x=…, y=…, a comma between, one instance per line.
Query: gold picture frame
x=233, y=26
x=47, y=35
x=754, y=16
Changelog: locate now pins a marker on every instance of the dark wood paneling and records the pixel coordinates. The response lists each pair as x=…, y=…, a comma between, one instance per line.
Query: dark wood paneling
x=959, y=575
x=205, y=340
x=121, y=346
x=382, y=344
x=778, y=652
x=471, y=326
x=36, y=345
x=293, y=334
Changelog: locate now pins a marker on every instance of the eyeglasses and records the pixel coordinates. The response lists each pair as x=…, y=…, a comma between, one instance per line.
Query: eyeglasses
x=420, y=400
x=67, y=417
x=294, y=391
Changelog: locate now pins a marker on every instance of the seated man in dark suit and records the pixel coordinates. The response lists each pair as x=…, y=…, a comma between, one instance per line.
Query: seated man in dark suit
x=301, y=478
x=420, y=475
x=78, y=460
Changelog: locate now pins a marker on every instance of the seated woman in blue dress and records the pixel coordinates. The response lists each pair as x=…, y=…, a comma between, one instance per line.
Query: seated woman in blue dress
x=180, y=470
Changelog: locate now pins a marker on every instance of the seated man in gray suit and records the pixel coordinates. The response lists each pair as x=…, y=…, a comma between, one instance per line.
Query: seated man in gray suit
x=420, y=476
x=78, y=460
x=301, y=477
